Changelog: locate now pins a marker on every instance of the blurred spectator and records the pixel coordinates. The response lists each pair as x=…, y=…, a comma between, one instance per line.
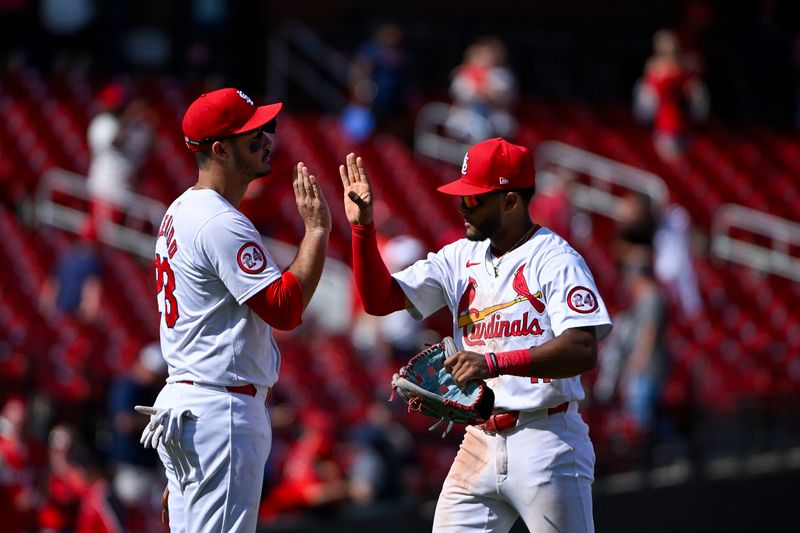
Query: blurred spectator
x=484, y=91
x=399, y=330
x=357, y=119
x=75, y=285
x=636, y=224
x=22, y=459
x=674, y=267
x=670, y=95
x=135, y=470
x=551, y=206
x=396, y=336
x=666, y=236
x=633, y=363
x=66, y=482
x=120, y=137
x=98, y=510
x=311, y=478
x=378, y=81
x=381, y=452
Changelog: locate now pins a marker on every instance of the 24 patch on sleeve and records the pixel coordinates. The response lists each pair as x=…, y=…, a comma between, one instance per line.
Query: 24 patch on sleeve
x=582, y=300
x=251, y=258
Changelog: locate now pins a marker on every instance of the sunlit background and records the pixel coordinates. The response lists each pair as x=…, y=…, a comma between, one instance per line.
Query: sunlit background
x=665, y=136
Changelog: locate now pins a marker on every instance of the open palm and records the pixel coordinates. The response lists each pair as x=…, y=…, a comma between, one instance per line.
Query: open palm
x=357, y=191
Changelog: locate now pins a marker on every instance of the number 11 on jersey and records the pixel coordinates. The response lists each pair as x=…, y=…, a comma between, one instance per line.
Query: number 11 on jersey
x=165, y=282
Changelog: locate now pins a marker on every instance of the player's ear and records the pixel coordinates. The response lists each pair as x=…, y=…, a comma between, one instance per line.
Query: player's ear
x=219, y=150
x=510, y=200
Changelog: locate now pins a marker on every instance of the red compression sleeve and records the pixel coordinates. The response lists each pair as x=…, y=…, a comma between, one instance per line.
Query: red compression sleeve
x=279, y=304
x=380, y=293
x=514, y=362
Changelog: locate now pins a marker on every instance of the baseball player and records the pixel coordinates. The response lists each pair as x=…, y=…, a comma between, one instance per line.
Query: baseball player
x=219, y=295
x=527, y=317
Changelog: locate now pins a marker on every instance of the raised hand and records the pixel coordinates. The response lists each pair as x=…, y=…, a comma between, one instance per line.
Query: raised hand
x=311, y=202
x=357, y=191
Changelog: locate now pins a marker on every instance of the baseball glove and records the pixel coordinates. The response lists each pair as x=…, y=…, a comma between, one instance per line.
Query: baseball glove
x=429, y=389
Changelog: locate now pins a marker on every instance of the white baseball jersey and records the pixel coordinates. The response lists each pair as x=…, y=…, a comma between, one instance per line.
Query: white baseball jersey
x=209, y=261
x=543, y=287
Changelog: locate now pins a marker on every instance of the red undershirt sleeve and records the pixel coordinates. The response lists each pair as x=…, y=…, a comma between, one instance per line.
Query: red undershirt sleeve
x=379, y=292
x=279, y=304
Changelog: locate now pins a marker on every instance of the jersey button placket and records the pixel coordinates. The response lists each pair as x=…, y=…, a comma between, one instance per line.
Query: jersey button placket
x=501, y=458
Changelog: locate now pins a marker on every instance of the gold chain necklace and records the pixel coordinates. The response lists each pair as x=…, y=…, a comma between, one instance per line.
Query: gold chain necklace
x=496, y=266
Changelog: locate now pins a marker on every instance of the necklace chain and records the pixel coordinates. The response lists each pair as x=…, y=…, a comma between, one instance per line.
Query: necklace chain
x=496, y=266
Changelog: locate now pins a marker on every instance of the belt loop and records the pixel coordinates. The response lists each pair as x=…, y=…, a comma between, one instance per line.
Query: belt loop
x=248, y=390
x=564, y=407
x=501, y=422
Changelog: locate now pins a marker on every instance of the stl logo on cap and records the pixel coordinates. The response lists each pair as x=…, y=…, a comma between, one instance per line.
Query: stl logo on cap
x=245, y=97
x=493, y=165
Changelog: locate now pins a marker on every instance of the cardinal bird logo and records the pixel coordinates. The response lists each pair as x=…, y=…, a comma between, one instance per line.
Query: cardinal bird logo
x=468, y=315
x=521, y=287
x=481, y=323
x=467, y=297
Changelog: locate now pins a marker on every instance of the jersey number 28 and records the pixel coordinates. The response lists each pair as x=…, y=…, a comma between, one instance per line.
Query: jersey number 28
x=165, y=281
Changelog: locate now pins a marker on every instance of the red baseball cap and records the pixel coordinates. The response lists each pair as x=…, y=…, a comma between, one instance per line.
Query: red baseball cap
x=493, y=165
x=223, y=113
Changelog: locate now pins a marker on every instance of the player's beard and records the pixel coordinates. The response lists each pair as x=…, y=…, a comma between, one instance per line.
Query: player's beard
x=480, y=231
x=244, y=165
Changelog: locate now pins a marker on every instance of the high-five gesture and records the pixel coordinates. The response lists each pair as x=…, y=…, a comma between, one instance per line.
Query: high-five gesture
x=310, y=201
x=307, y=265
x=357, y=191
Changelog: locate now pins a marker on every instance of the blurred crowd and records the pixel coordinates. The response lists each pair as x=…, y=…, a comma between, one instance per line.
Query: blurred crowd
x=79, y=467
x=68, y=480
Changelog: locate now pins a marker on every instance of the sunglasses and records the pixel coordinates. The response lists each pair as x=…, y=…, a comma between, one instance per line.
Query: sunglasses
x=270, y=127
x=474, y=200
x=470, y=201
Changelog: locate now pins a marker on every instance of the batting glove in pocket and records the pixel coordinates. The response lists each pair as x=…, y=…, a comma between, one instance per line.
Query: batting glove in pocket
x=166, y=425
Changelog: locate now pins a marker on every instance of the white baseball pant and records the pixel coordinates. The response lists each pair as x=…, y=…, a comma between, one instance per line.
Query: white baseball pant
x=215, y=477
x=541, y=470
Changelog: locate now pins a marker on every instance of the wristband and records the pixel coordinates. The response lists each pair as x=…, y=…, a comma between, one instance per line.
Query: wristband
x=491, y=362
x=514, y=362
x=362, y=230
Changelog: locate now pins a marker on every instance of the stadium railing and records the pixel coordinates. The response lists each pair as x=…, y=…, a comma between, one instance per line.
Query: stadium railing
x=783, y=236
x=297, y=54
x=62, y=201
x=430, y=133
x=596, y=196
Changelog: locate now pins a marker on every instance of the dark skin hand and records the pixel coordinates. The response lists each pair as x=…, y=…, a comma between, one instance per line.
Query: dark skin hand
x=570, y=354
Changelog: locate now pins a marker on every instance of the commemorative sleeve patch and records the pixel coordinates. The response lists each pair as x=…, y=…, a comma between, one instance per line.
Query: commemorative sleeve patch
x=582, y=300
x=251, y=258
